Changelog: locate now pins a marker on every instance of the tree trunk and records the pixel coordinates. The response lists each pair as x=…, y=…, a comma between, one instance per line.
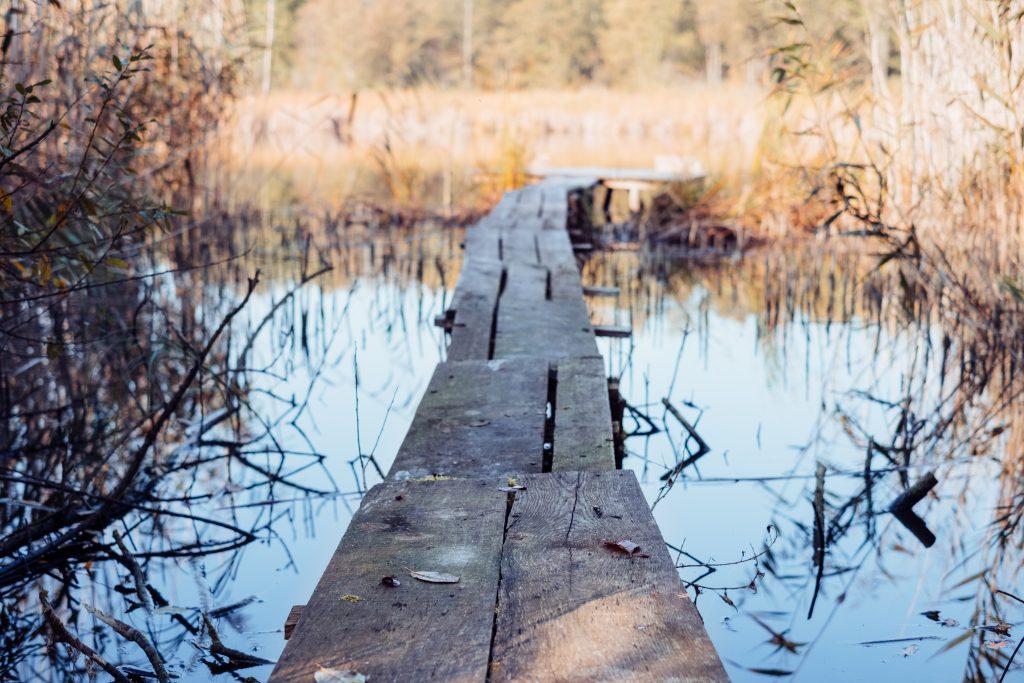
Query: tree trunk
x=713, y=62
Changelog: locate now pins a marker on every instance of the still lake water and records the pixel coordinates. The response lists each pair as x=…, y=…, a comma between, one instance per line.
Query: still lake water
x=784, y=360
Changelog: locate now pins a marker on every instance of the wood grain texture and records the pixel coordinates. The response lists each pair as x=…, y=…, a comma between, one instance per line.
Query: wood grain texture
x=292, y=620
x=583, y=425
x=417, y=631
x=477, y=418
x=572, y=609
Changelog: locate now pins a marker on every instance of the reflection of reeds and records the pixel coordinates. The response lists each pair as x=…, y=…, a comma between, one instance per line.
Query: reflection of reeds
x=144, y=359
x=956, y=408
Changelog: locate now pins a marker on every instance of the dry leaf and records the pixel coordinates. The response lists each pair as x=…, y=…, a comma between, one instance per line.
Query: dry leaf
x=997, y=644
x=351, y=598
x=626, y=546
x=433, y=577
x=390, y=582
x=1001, y=627
x=326, y=675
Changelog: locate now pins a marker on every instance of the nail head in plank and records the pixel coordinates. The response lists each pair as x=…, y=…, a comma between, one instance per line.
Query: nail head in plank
x=583, y=426
x=477, y=418
x=572, y=609
x=353, y=622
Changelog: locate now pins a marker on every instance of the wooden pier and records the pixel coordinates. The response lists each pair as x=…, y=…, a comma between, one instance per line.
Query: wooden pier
x=507, y=480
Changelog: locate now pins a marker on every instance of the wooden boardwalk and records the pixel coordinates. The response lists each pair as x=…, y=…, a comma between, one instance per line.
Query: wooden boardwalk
x=507, y=479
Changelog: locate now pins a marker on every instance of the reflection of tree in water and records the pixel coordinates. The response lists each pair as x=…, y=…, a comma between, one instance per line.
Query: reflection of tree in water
x=162, y=436
x=955, y=413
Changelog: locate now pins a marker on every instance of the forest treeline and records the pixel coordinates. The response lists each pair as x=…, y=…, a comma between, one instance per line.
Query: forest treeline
x=494, y=44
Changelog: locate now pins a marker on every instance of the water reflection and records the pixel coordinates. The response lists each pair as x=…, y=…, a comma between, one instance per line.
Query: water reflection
x=299, y=407
x=779, y=405
x=823, y=392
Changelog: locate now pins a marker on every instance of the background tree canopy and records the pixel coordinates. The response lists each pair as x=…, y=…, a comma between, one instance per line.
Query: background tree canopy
x=526, y=43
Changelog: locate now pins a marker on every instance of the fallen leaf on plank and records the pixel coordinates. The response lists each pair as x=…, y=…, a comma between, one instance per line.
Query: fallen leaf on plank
x=626, y=546
x=433, y=577
x=326, y=675
x=351, y=598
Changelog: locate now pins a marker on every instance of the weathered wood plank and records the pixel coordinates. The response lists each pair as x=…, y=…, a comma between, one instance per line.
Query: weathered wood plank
x=614, y=331
x=593, y=290
x=530, y=324
x=572, y=609
x=353, y=622
x=520, y=244
x=567, y=286
x=478, y=418
x=476, y=296
x=483, y=241
x=530, y=204
x=556, y=249
x=583, y=425
x=292, y=620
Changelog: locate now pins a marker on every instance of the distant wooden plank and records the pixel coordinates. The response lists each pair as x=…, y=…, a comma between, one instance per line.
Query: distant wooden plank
x=572, y=609
x=605, y=174
x=530, y=204
x=583, y=417
x=292, y=620
x=556, y=250
x=525, y=283
x=556, y=206
x=478, y=418
x=570, y=182
x=476, y=296
x=520, y=243
x=482, y=242
x=532, y=325
x=593, y=290
x=614, y=331
x=566, y=285
x=353, y=622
